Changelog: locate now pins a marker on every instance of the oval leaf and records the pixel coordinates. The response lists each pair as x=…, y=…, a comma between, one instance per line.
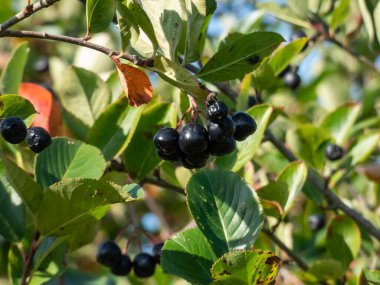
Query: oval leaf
x=16, y=106
x=226, y=210
x=99, y=14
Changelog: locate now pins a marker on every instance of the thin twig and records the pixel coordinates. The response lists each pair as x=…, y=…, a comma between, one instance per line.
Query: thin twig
x=164, y=184
x=29, y=258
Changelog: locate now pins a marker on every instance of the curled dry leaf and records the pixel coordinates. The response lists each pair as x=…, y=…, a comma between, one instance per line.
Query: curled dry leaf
x=49, y=114
x=135, y=82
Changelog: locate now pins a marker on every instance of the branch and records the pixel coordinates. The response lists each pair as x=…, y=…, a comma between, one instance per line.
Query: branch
x=164, y=184
x=76, y=41
x=28, y=11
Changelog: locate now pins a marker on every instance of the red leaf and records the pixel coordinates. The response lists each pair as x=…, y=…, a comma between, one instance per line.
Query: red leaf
x=49, y=114
x=136, y=84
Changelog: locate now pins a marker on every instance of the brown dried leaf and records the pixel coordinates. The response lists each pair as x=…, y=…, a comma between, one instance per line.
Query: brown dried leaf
x=136, y=84
x=371, y=171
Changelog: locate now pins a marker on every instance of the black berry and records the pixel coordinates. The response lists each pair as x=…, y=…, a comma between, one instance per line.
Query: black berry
x=285, y=71
x=108, y=254
x=193, y=138
x=252, y=101
x=124, y=266
x=220, y=131
x=245, y=125
x=38, y=139
x=292, y=80
x=13, y=130
x=144, y=265
x=172, y=157
x=316, y=222
x=334, y=152
x=157, y=251
x=41, y=64
x=196, y=160
x=166, y=140
x=217, y=111
x=222, y=148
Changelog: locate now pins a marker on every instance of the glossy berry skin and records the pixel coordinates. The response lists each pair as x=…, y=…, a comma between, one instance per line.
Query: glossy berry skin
x=172, y=157
x=220, y=131
x=157, y=251
x=166, y=140
x=193, y=138
x=197, y=160
x=292, y=80
x=333, y=152
x=245, y=125
x=217, y=111
x=285, y=71
x=316, y=222
x=13, y=130
x=144, y=265
x=38, y=139
x=222, y=148
x=124, y=267
x=108, y=254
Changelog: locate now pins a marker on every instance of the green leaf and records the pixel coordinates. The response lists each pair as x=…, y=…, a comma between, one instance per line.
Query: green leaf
x=177, y=75
x=197, y=13
x=247, y=148
x=326, y=269
x=241, y=57
x=226, y=210
x=80, y=202
x=83, y=95
x=369, y=277
x=284, y=56
x=140, y=156
x=99, y=14
x=367, y=9
x=249, y=267
x=294, y=175
x=276, y=192
x=13, y=72
x=15, y=264
x=12, y=211
x=363, y=148
x=115, y=127
x=283, y=13
x=339, y=122
x=67, y=158
x=340, y=14
x=29, y=191
x=189, y=256
x=16, y=106
x=166, y=18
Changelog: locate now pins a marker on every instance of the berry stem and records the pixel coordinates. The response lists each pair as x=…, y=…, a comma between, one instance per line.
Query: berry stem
x=183, y=117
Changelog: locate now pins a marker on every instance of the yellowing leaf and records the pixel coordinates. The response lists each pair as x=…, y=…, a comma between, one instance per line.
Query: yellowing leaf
x=136, y=84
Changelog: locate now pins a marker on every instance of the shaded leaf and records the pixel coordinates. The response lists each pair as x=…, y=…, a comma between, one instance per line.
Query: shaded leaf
x=367, y=8
x=327, y=269
x=369, y=277
x=15, y=264
x=99, y=14
x=16, y=106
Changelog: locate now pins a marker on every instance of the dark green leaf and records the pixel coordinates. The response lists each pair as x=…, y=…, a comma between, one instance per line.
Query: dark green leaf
x=99, y=14
x=369, y=277
x=241, y=57
x=225, y=208
x=15, y=264
x=327, y=269
x=367, y=9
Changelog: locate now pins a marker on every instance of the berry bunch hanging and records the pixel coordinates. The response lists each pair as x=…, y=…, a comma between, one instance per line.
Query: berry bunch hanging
x=14, y=131
x=193, y=145
x=109, y=254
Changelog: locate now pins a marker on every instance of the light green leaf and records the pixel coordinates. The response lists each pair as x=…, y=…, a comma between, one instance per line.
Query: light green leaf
x=12, y=210
x=241, y=57
x=294, y=175
x=339, y=122
x=80, y=202
x=29, y=191
x=17, y=106
x=166, y=17
x=114, y=129
x=276, y=192
x=340, y=14
x=284, y=56
x=83, y=95
x=226, y=210
x=177, y=75
x=363, y=148
x=67, y=158
x=188, y=255
x=247, y=148
x=367, y=9
x=13, y=72
x=99, y=14
x=326, y=269
x=369, y=277
x=15, y=264
x=248, y=267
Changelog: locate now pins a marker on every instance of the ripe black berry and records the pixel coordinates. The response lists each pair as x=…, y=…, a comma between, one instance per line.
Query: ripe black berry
x=245, y=126
x=217, y=111
x=193, y=138
x=13, y=130
x=285, y=71
x=144, y=265
x=196, y=160
x=157, y=251
x=124, y=267
x=166, y=140
x=252, y=101
x=292, y=80
x=334, y=152
x=220, y=131
x=172, y=157
x=222, y=148
x=38, y=139
x=316, y=222
x=108, y=254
